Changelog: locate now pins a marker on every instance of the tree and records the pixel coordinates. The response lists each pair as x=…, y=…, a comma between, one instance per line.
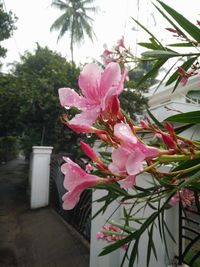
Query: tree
x=7, y=21
x=74, y=20
x=32, y=105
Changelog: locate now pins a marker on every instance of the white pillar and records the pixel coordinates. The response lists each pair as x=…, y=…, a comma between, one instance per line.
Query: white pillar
x=39, y=176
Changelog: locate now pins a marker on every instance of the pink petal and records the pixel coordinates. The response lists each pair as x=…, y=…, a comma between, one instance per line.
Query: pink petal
x=89, y=82
x=134, y=162
x=85, y=118
x=113, y=92
x=72, y=197
x=89, y=151
x=110, y=78
x=151, y=152
x=69, y=98
x=73, y=175
x=124, y=133
x=119, y=158
x=128, y=182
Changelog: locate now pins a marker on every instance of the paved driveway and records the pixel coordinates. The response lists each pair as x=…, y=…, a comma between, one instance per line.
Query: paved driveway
x=34, y=238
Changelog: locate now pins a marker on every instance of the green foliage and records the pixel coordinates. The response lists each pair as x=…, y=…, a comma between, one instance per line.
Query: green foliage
x=159, y=53
x=8, y=148
x=7, y=21
x=29, y=103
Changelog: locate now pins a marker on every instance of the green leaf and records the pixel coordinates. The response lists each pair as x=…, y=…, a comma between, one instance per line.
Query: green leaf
x=186, y=65
x=160, y=54
x=153, y=71
x=169, y=232
x=187, y=164
x=189, y=27
x=144, y=28
x=171, y=22
x=134, y=253
x=182, y=45
x=188, y=117
x=180, y=129
x=154, y=119
x=148, y=45
x=150, y=233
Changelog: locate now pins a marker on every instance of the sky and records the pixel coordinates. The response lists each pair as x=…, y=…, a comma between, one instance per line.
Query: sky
x=35, y=18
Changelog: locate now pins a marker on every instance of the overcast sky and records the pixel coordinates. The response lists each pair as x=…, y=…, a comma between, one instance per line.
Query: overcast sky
x=36, y=16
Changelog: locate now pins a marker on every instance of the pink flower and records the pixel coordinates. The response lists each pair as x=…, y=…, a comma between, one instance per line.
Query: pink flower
x=120, y=43
x=128, y=158
x=112, y=234
x=186, y=197
x=76, y=181
x=98, y=88
x=168, y=140
x=89, y=151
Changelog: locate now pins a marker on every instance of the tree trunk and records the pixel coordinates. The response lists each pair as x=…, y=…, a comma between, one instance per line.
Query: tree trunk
x=71, y=43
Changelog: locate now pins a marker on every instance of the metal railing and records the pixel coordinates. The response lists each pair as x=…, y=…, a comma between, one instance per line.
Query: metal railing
x=80, y=216
x=189, y=234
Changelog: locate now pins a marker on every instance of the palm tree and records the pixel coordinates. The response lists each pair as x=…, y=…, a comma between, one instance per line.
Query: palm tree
x=74, y=20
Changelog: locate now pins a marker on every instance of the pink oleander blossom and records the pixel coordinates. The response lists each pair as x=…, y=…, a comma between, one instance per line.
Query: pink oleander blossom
x=111, y=234
x=186, y=196
x=120, y=43
x=98, y=88
x=75, y=182
x=128, y=158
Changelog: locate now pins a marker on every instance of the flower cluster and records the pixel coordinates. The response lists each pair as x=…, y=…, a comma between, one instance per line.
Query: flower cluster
x=101, y=114
x=111, y=234
x=171, y=161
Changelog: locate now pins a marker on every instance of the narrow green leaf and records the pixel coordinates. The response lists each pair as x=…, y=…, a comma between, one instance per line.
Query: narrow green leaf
x=180, y=129
x=150, y=233
x=171, y=22
x=148, y=45
x=169, y=232
x=134, y=253
x=188, y=117
x=189, y=27
x=160, y=54
x=118, y=244
x=187, y=164
x=186, y=65
x=153, y=71
x=154, y=119
x=144, y=28
x=182, y=45
x=177, y=83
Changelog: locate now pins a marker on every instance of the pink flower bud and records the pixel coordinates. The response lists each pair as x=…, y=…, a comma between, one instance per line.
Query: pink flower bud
x=143, y=124
x=168, y=140
x=89, y=151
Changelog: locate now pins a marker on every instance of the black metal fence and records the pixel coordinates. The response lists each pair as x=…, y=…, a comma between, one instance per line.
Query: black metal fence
x=80, y=216
x=189, y=234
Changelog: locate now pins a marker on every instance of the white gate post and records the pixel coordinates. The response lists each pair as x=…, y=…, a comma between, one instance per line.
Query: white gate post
x=39, y=176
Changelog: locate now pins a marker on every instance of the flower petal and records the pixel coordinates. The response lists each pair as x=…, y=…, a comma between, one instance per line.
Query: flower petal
x=69, y=98
x=128, y=182
x=89, y=82
x=119, y=158
x=85, y=118
x=73, y=175
x=124, y=133
x=72, y=197
x=110, y=78
x=134, y=162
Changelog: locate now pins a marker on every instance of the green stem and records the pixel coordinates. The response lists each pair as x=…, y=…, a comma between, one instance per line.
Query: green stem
x=150, y=167
x=176, y=158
